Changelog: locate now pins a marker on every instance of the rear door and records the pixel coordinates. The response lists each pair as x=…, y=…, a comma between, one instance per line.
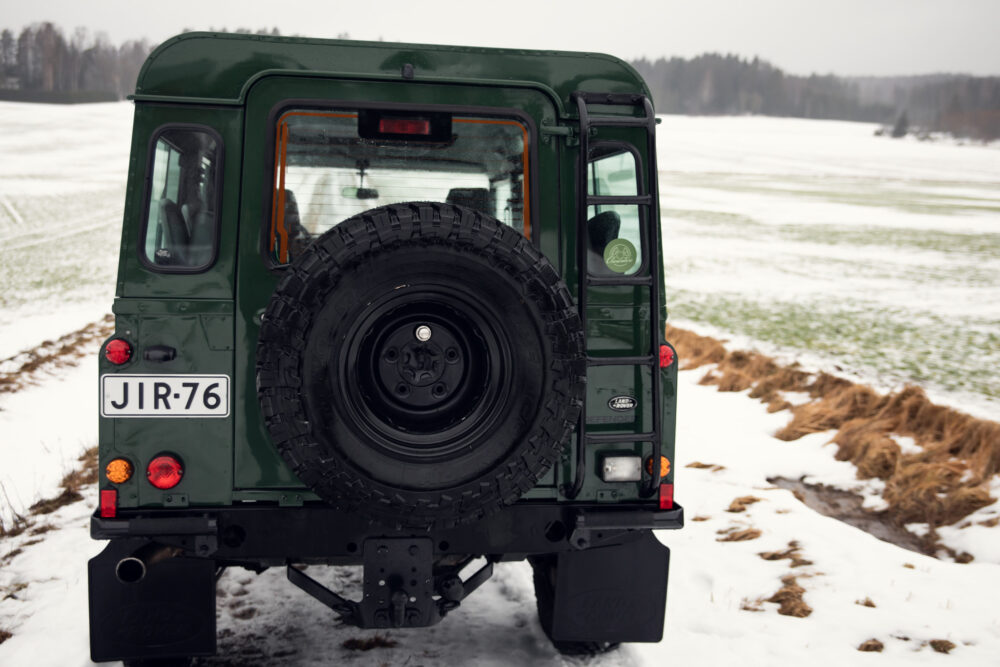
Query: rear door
x=305, y=171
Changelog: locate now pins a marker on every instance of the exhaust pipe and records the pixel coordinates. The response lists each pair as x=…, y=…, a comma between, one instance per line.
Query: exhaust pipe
x=132, y=569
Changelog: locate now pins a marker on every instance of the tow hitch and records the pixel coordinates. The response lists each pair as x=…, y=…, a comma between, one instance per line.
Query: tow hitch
x=402, y=586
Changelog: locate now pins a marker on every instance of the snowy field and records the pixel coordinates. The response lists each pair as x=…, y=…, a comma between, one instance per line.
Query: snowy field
x=877, y=255
x=812, y=238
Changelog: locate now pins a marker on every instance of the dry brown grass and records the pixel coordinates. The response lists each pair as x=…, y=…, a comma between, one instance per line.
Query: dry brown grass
x=752, y=605
x=70, y=485
x=732, y=535
x=701, y=517
x=940, y=485
x=867, y=602
x=871, y=646
x=714, y=467
x=54, y=354
x=789, y=598
x=4, y=636
x=792, y=553
x=942, y=645
x=740, y=504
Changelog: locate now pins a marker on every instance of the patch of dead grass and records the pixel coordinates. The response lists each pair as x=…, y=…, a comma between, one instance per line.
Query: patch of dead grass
x=792, y=553
x=871, y=646
x=867, y=602
x=701, y=517
x=942, y=645
x=752, y=605
x=54, y=354
x=733, y=535
x=714, y=467
x=740, y=504
x=940, y=485
x=4, y=636
x=789, y=598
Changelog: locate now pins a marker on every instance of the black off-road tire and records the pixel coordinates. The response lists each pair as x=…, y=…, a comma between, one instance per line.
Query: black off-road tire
x=418, y=434
x=543, y=570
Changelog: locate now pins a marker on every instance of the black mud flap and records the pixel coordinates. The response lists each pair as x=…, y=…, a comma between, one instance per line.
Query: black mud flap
x=612, y=594
x=168, y=609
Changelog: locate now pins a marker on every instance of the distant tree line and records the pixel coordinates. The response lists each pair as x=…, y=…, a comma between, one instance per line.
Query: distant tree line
x=42, y=64
x=727, y=84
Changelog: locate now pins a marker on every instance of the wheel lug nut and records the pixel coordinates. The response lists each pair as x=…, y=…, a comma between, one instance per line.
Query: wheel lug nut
x=423, y=333
x=451, y=354
x=402, y=389
x=391, y=354
x=439, y=390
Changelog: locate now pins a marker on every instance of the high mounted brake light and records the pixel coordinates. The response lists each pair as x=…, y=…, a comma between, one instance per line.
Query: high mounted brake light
x=420, y=126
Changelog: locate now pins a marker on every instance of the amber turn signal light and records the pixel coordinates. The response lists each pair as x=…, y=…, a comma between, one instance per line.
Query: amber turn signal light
x=118, y=471
x=664, y=465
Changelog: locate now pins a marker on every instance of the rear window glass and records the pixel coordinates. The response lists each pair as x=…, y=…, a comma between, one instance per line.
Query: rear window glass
x=333, y=164
x=180, y=230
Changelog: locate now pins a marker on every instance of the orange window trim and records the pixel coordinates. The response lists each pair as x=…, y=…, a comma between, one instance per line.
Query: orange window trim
x=279, y=233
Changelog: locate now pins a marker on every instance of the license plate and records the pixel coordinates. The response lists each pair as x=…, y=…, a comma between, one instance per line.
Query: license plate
x=164, y=395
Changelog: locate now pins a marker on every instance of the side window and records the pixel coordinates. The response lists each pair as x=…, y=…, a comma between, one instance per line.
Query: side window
x=614, y=240
x=182, y=217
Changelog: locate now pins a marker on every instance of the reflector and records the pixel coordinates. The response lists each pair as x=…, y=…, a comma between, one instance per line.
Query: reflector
x=164, y=472
x=666, y=496
x=109, y=503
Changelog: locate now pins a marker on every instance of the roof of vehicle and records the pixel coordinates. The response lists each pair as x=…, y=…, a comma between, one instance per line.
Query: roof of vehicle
x=221, y=67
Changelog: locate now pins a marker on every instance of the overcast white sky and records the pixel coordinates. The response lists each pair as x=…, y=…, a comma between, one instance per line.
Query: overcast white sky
x=850, y=37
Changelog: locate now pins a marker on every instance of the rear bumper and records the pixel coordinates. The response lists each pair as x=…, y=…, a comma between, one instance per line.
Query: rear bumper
x=274, y=535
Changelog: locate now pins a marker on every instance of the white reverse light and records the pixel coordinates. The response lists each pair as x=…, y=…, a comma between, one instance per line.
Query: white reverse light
x=622, y=469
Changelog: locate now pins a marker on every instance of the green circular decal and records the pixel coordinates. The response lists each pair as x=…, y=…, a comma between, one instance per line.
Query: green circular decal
x=620, y=255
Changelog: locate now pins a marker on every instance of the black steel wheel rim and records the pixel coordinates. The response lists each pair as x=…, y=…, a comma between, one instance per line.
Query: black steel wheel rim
x=422, y=400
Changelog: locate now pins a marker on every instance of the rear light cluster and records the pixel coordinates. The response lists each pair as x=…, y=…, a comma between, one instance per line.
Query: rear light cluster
x=163, y=472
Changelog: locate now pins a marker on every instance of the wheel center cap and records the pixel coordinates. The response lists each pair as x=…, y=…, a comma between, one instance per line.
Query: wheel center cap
x=420, y=364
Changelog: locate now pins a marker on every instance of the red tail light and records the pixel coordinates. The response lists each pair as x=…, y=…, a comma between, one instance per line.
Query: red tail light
x=109, y=503
x=666, y=496
x=666, y=356
x=404, y=126
x=117, y=351
x=164, y=472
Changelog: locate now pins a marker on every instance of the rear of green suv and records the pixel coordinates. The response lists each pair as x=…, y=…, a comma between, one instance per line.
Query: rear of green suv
x=386, y=305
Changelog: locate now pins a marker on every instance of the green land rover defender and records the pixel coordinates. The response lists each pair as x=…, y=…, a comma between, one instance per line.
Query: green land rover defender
x=393, y=306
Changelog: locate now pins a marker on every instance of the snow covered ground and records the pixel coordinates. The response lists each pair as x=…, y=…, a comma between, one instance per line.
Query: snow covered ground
x=264, y=620
x=812, y=238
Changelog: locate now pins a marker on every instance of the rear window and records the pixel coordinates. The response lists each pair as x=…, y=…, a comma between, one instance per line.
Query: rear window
x=332, y=164
x=181, y=218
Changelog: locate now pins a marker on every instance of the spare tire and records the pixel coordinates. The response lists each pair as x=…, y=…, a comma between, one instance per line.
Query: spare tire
x=421, y=364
